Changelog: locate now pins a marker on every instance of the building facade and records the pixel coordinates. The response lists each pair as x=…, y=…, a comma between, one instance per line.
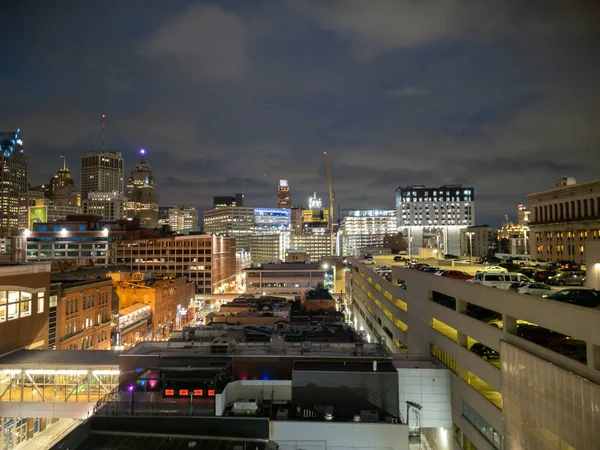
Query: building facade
x=478, y=241
x=101, y=171
x=26, y=199
x=24, y=305
x=61, y=189
x=316, y=245
x=108, y=205
x=246, y=221
x=562, y=219
x=367, y=229
x=284, y=196
x=224, y=201
x=162, y=295
x=13, y=180
x=285, y=278
x=183, y=218
x=142, y=194
x=433, y=217
x=83, y=315
x=206, y=260
x=510, y=387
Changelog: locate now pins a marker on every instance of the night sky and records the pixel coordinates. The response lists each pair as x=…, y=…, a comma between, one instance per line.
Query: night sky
x=231, y=96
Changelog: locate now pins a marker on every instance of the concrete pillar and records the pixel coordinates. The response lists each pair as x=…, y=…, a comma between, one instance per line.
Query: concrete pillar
x=462, y=340
x=593, y=356
x=461, y=306
x=509, y=324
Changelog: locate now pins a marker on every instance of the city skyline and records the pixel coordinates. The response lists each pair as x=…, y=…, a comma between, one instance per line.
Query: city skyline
x=507, y=107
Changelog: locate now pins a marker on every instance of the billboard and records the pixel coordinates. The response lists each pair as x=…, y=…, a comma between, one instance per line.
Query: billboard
x=37, y=214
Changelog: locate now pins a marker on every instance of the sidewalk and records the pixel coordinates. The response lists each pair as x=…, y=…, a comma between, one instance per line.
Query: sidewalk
x=44, y=439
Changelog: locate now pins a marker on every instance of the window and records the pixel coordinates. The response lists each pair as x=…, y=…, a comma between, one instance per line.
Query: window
x=40, y=306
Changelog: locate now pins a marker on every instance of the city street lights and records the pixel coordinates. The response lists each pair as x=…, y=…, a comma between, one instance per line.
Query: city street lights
x=470, y=234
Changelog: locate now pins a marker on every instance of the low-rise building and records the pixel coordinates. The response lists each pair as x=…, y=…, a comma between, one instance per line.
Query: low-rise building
x=318, y=300
x=108, y=205
x=133, y=325
x=83, y=315
x=24, y=305
x=562, y=219
x=285, y=278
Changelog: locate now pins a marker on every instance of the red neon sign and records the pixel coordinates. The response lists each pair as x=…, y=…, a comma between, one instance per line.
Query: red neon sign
x=169, y=392
x=183, y=392
x=198, y=392
x=211, y=393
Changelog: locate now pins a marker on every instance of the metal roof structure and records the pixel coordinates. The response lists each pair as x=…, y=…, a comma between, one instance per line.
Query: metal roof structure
x=59, y=358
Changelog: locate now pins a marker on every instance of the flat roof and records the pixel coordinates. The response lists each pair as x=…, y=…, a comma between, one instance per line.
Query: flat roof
x=92, y=358
x=132, y=308
x=343, y=366
x=288, y=266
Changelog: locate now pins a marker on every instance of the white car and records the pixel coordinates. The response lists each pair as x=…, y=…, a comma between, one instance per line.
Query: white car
x=497, y=323
x=367, y=262
x=537, y=289
x=493, y=269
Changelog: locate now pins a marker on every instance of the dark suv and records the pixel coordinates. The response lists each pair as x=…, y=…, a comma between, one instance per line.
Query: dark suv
x=567, y=279
x=589, y=298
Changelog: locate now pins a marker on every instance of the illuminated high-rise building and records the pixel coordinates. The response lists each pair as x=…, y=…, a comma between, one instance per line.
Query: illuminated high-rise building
x=61, y=189
x=142, y=195
x=284, y=197
x=13, y=180
x=183, y=218
x=101, y=172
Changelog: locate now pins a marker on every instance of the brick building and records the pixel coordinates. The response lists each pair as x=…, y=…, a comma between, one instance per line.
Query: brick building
x=162, y=295
x=83, y=315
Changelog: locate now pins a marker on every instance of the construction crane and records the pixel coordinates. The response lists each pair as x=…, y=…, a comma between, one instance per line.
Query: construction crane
x=331, y=199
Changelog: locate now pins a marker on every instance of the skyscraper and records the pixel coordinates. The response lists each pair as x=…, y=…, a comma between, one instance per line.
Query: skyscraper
x=62, y=190
x=13, y=180
x=101, y=172
x=183, y=218
x=142, y=195
x=284, y=197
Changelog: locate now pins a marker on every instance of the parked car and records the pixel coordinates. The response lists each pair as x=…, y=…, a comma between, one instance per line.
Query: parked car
x=567, y=279
x=589, y=298
x=528, y=271
x=569, y=347
x=367, y=261
x=441, y=272
x=484, y=351
x=450, y=256
x=418, y=266
x=539, y=335
x=536, y=289
x=499, y=280
x=399, y=258
x=493, y=269
x=543, y=275
x=497, y=322
x=430, y=269
x=540, y=263
x=457, y=275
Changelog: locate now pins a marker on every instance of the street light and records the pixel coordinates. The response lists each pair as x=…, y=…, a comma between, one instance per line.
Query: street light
x=470, y=234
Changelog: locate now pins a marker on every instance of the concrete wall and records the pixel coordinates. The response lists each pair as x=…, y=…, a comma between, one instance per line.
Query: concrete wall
x=245, y=389
x=430, y=388
x=592, y=264
x=340, y=435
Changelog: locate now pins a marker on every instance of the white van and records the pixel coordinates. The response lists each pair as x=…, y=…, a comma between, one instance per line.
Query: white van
x=500, y=280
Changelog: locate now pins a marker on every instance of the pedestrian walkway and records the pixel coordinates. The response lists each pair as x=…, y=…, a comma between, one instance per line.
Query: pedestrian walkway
x=49, y=436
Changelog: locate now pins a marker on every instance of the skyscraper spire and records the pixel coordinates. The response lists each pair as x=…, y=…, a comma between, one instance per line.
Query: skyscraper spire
x=103, y=131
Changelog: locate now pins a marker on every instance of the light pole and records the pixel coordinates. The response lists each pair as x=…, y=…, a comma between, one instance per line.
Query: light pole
x=470, y=234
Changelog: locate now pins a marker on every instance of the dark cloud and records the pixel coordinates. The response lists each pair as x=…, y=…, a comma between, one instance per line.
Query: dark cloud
x=232, y=96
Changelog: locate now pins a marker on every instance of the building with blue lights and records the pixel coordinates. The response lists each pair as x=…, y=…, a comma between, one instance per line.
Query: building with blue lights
x=13, y=180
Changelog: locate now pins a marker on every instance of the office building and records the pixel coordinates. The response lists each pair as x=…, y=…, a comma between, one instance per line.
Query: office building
x=183, y=218
x=13, y=179
x=246, y=221
x=316, y=245
x=163, y=214
x=108, y=205
x=83, y=315
x=297, y=219
x=524, y=370
x=224, y=201
x=101, y=171
x=61, y=189
x=284, y=278
x=478, y=241
x=315, y=219
x=163, y=296
x=24, y=302
x=367, y=229
x=142, y=194
x=433, y=217
x=284, y=196
x=562, y=219
x=206, y=260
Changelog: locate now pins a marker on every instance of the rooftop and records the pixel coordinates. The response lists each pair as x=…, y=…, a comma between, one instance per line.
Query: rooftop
x=287, y=266
x=346, y=366
x=318, y=294
x=64, y=358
